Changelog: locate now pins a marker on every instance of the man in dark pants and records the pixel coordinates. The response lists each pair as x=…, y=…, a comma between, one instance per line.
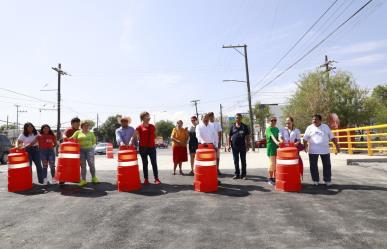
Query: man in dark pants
x=316, y=140
x=239, y=143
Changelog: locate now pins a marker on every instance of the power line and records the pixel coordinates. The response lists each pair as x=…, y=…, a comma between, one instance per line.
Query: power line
x=296, y=43
x=314, y=47
x=25, y=95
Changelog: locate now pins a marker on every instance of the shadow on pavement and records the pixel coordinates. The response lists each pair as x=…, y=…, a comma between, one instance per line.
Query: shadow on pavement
x=91, y=190
x=236, y=190
x=162, y=189
x=336, y=189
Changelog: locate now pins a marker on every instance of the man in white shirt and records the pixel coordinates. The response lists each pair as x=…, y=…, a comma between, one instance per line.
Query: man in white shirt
x=316, y=140
x=205, y=131
x=218, y=141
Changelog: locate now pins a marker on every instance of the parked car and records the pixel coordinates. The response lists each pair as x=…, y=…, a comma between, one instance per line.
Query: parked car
x=260, y=143
x=100, y=149
x=162, y=145
x=5, y=146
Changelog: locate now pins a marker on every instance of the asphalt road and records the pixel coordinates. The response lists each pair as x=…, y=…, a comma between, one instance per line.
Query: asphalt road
x=242, y=214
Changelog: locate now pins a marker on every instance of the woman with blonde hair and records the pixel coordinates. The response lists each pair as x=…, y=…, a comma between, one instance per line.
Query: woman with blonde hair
x=87, y=141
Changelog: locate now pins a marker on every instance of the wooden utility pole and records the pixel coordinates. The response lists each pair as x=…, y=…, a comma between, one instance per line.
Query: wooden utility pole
x=60, y=73
x=248, y=88
x=195, y=102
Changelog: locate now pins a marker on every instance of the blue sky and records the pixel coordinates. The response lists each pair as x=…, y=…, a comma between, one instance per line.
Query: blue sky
x=129, y=56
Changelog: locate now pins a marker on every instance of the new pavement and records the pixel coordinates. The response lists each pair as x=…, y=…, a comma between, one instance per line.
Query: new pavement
x=242, y=214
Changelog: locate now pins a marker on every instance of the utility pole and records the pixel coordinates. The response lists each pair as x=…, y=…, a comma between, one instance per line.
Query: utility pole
x=248, y=89
x=221, y=122
x=328, y=66
x=60, y=73
x=17, y=116
x=195, y=102
x=7, y=122
x=97, y=121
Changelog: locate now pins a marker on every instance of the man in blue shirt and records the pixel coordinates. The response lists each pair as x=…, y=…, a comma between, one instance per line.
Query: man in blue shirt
x=239, y=143
x=124, y=134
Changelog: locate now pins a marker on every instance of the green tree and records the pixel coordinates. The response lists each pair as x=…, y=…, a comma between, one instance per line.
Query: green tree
x=107, y=131
x=164, y=128
x=261, y=112
x=4, y=127
x=324, y=94
x=377, y=104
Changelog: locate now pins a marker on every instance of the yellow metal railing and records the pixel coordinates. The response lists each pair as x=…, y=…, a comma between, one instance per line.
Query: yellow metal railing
x=369, y=136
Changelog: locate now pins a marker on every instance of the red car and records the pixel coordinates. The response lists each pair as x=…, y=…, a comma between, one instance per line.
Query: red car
x=260, y=143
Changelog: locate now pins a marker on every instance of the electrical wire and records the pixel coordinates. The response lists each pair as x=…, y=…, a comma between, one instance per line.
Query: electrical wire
x=295, y=44
x=314, y=47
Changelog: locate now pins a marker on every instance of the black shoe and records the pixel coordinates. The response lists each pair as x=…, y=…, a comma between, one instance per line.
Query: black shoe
x=219, y=182
x=236, y=177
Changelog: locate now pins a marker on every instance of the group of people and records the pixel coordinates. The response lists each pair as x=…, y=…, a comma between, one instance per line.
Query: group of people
x=315, y=142
x=40, y=145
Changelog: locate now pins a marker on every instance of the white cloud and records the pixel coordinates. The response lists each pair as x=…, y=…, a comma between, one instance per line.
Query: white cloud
x=360, y=47
x=365, y=60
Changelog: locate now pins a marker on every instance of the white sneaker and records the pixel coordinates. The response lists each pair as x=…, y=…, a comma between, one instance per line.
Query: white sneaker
x=45, y=182
x=315, y=183
x=328, y=184
x=54, y=181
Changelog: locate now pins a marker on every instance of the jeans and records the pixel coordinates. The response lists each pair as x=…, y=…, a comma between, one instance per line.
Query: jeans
x=326, y=161
x=34, y=156
x=144, y=153
x=87, y=155
x=242, y=153
x=48, y=158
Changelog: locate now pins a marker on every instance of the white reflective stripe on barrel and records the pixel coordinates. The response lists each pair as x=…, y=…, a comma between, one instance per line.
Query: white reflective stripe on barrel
x=205, y=163
x=19, y=165
x=130, y=163
x=287, y=161
x=71, y=156
x=126, y=151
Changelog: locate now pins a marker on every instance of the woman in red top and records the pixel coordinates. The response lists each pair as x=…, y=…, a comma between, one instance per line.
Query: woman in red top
x=47, y=143
x=145, y=133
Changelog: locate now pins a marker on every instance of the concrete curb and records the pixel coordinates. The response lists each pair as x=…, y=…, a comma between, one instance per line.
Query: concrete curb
x=366, y=160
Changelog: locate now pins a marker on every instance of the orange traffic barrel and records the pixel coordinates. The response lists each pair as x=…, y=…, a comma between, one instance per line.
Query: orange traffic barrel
x=128, y=174
x=206, y=173
x=69, y=162
x=288, y=171
x=19, y=171
x=109, y=151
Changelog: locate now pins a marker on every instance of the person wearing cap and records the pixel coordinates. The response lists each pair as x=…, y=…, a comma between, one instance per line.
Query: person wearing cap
x=87, y=141
x=272, y=143
x=124, y=133
x=218, y=138
x=179, y=138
